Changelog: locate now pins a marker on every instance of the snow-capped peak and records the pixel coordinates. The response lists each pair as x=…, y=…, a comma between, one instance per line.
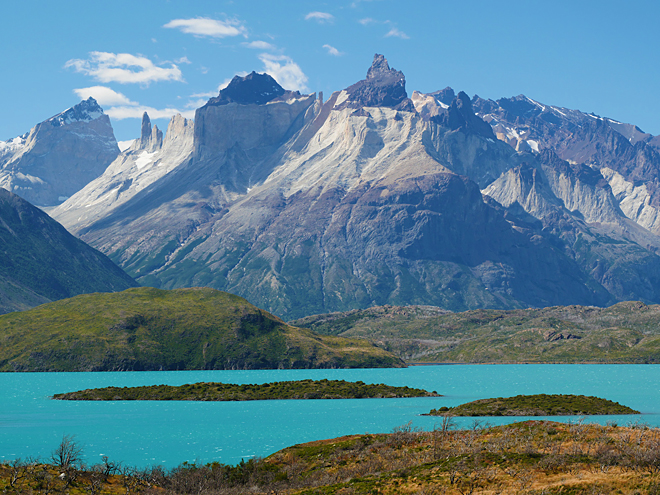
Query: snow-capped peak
x=85, y=111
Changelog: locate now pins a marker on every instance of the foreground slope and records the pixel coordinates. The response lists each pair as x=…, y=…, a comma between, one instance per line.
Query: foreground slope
x=627, y=332
x=525, y=457
x=152, y=329
x=42, y=262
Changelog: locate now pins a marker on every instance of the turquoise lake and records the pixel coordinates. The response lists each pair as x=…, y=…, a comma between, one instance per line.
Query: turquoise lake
x=169, y=433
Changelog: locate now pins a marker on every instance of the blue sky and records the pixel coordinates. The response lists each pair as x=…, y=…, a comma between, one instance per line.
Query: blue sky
x=169, y=56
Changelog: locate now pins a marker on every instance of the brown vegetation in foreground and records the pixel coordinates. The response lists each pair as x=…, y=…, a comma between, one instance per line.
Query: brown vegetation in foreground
x=532, y=457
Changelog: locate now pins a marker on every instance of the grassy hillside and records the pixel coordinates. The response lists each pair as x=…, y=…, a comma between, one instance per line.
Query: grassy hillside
x=183, y=329
x=627, y=332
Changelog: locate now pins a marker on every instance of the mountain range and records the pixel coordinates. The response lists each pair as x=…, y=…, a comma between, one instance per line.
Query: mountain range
x=306, y=206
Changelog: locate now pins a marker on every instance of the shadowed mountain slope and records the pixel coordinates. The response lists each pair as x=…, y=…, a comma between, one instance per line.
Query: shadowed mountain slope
x=42, y=262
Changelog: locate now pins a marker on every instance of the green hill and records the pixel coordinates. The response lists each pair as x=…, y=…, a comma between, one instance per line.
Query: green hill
x=183, y=329
x=627, y=332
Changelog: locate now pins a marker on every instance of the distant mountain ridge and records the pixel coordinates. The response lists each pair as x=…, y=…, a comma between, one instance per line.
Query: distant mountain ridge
x=625, y=155
x=59, y=156
x=307, y=206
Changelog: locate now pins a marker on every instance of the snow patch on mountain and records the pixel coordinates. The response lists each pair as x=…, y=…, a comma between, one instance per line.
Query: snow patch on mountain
x=129, y=174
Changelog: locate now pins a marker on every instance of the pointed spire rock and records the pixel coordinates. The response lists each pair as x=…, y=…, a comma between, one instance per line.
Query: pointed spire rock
x=378, y=66
x=156, y=139
x=145, y=135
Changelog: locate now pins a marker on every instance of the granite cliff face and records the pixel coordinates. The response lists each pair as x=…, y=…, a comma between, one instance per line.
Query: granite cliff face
x=369, y=198
x=131, y=175
x=58, y=156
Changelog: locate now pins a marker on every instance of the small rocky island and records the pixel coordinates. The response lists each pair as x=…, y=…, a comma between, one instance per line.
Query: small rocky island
x=301, y=389
x=536, y=405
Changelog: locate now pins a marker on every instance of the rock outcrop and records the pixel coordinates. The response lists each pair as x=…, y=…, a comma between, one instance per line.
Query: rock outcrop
x=59, y=156
x=383, y=87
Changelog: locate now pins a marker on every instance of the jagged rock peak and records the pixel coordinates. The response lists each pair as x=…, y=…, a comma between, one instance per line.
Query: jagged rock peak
x=145, y=135
x=253, y=89
x=378, y=66
x=460, y=115
x=85, y=111
x=383, y=87
x=151, y=139
x=446, y=95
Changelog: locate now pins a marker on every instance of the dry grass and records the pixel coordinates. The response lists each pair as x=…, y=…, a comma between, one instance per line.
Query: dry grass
x=533, y=457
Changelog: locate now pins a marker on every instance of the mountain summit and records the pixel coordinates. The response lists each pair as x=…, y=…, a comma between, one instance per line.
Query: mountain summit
x=59, y=156
x=255, y=89
x=383, y=87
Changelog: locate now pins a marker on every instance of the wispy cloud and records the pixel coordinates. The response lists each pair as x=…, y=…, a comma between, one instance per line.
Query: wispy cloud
x=208, y=94
x=332, y=50
x=205, y=27
x=123, y=108
x=103, y=96
x=321, y=17
x=135, y=112
x=394, y=32
x=183, y=60
x=285, y=71
x=259, y=45
x=124, y=68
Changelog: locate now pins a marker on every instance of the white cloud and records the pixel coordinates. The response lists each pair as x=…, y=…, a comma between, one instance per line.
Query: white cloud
x=259, y=45
x=135, y=112
x=394, y=32
x=320, y=17
x=103, y=96
x=366, y=21
x=197, y=103
x=285, y=71
x=124, y=68
x=182, y=60
x=333, y=51
x=203, y=26
x=208, y=94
